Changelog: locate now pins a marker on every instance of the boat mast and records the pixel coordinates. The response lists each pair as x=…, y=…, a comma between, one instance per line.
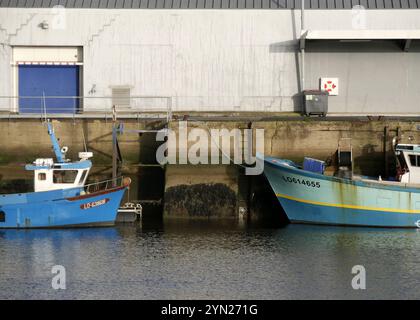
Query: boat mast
x=58, y=153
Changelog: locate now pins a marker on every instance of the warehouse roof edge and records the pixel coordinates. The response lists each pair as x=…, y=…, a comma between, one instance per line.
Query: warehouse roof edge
x=210, y=4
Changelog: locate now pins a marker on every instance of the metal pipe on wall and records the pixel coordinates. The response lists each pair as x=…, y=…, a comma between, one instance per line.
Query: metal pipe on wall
x=302, y=16
x=302, y=51
x=303, y=69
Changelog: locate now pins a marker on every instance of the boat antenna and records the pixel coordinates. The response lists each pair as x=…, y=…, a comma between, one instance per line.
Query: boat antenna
x=84, y=140
x=44, y=106
x=59, y=153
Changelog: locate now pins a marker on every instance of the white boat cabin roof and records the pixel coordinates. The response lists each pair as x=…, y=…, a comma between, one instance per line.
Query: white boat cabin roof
x=414, y=148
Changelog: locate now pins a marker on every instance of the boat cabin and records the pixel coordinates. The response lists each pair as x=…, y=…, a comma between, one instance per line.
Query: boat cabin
x=408, y=163
x=52, y=176
x=62, y=174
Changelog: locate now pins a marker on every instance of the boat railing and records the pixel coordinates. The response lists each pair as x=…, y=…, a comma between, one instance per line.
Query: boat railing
x=105, y=185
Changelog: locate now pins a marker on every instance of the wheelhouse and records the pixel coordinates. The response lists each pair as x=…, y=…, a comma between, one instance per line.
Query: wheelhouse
x=52, y=176
x=63, y=174
x=408, y=163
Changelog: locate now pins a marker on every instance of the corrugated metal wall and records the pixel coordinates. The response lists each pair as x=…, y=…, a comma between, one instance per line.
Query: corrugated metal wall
x=213, y=4
x=229, y=60
x=374, y=77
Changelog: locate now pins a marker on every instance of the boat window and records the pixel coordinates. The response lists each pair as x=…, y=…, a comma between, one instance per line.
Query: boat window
x=82, y=178
x=42, y=176
x=402, y=147
x=64, y=176
x=414, y=160
x=2, y=216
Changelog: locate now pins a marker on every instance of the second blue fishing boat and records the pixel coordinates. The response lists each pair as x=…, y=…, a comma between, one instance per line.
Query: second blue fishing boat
x=309, y=196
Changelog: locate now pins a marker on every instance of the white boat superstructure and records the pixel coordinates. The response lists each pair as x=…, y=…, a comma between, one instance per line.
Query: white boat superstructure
x=408, y=163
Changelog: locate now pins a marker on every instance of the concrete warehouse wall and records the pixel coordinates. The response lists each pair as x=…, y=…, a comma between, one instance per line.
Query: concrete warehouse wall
x=193, y=190
x=214, y=60
x=21, y=141
x=201, y=190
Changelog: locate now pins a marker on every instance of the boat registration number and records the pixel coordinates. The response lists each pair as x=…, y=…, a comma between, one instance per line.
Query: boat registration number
x=94, y=204
x=309, y=183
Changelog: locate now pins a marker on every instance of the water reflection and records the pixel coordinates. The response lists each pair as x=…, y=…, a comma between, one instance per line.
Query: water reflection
x=210, y=260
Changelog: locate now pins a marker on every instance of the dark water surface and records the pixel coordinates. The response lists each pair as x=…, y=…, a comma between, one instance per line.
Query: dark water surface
x=210, y=260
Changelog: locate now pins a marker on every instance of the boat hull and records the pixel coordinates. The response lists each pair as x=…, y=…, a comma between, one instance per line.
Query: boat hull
x=95, y=209
x=313, y=198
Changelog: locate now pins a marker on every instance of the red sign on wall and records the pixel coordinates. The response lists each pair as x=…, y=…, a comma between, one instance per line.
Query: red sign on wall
x=330, y=85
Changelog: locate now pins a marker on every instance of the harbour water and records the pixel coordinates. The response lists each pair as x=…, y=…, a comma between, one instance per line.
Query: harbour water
x=210, y=260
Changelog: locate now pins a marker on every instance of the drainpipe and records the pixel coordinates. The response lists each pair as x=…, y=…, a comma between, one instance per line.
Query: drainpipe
x=302, y=51
x=302, y=16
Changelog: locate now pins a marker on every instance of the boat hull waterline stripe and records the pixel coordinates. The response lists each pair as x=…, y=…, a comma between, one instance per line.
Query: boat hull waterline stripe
x=346, y=206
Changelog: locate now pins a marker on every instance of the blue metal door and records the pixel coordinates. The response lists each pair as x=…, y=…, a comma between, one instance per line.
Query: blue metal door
x=59, y=84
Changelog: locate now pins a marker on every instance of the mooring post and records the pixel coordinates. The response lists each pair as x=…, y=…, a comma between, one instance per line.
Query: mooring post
x=114, y=147
x=250, y=148
x=385, y=141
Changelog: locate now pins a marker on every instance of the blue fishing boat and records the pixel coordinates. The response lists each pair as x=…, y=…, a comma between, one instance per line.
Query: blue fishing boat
x=308, y=195
x=61, y=198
